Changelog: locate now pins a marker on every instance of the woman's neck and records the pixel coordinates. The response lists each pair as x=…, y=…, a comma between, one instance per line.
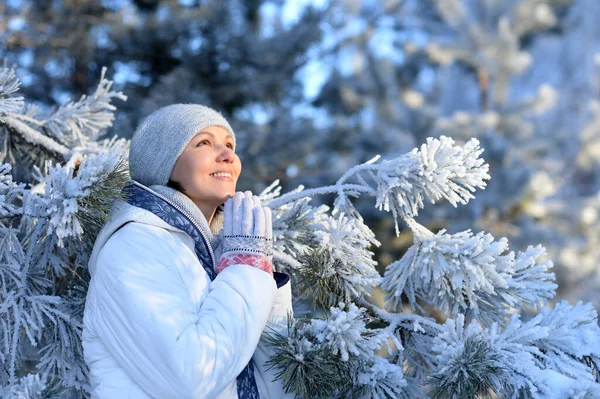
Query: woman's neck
x=207, y=210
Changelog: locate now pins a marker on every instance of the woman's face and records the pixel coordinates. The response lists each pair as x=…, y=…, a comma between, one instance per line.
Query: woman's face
x=208, y=168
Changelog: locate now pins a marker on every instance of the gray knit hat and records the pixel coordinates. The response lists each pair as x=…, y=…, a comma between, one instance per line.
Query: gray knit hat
x=163, y=135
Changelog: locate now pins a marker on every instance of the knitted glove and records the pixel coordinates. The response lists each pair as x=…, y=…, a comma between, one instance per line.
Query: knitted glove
x=247, y=234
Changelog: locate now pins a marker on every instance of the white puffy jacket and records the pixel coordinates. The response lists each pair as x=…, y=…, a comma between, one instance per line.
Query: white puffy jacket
x=155, y=326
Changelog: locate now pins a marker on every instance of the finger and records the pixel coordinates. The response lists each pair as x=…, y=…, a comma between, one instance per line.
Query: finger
x=248, y=217
x=256, y=201
x=237, y=213
x=228, y=217
x=268, y=222
x=259, y=221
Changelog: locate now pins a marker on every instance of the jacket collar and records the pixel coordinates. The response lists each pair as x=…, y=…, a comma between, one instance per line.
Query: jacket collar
x=182, y=201
x=122, y=213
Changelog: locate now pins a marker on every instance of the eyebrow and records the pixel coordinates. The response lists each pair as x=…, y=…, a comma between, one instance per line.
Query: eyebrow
x=229, y=136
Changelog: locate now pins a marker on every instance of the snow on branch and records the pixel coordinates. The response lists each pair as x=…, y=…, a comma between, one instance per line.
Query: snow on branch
x=341, y=266
x=472, y=360
x=439, y=169
x=520, y=358
x=529, y=283
x=30, y=386
x=78, y=196
x=470, y=274
x=329, y=256
x=295, y=224
x=77, y=123
x=572, y=335
x=381, y=380
x=335, y=356
x=304, y=368
x=344, y=332
x=9, y=192
x=34, y=137
x=471, y=371
x=9, y=84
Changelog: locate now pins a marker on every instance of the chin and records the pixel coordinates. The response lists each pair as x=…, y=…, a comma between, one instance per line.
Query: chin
x=226, y=197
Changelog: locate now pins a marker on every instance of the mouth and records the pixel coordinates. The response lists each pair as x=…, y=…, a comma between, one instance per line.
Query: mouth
x=222, y=175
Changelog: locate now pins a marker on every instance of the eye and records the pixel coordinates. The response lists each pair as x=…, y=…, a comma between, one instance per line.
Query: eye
x=230, y=146
x=203, y=142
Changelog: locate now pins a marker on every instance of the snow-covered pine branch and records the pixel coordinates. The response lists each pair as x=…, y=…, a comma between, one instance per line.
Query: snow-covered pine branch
x=46, y=232
x=336, y=357
x=473, y=275
x=571, y=345
x=520, y=358
x=74, y=125
x=77, y=123
x=79, y=196
x=9, y=84
x=295, y=226
x=34, y=137
x=438, y=170
x=10, y=192
x=29, y=386
x=341, y=268
x=329, y=255
x=34, y=386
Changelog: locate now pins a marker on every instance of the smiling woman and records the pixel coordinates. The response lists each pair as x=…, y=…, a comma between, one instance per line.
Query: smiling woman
x=182, y=280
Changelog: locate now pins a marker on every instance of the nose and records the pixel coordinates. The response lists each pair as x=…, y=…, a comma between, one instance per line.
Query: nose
x=226, y=154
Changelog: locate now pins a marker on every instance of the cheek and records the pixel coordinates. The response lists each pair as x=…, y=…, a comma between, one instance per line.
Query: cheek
x=191, y=169
x=238, y=165
x=199, y=166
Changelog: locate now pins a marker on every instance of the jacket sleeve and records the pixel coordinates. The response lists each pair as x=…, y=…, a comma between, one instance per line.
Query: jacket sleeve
x=278, y=320
x=172, y=344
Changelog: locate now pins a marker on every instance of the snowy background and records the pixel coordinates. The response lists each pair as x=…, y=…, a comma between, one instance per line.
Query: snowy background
x=313, y=88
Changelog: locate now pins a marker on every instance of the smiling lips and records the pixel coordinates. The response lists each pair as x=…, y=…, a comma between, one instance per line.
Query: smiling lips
x=222, y=175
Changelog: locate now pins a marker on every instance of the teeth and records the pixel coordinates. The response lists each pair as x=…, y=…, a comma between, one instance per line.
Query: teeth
x=221, y=174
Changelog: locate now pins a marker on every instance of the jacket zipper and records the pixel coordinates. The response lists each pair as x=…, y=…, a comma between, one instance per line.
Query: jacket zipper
x=206, y=240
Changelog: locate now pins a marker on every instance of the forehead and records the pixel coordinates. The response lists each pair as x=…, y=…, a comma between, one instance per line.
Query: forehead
x=215, y=131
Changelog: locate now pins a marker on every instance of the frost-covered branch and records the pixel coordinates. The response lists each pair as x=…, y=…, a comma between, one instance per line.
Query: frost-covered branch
x=79, y=196
x=521, y=358
x=34, y=137
x=335, y=356
x=438, y=170
x=9, y=192
x=468, y=274
x=572, y=334
x=407, y=321
x=77, y=123
x=341, y=268
x=9, y=84
x=74, y=124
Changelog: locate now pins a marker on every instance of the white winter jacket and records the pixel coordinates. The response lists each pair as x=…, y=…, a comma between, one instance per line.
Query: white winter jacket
x=155, y=326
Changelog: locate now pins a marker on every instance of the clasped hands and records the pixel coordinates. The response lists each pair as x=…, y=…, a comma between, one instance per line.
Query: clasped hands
x=247, y=233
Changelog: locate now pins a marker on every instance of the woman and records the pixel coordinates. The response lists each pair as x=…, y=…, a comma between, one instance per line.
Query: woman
x=174, y=310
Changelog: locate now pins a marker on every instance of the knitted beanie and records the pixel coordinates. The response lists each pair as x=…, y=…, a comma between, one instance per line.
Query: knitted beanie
x=163, y=135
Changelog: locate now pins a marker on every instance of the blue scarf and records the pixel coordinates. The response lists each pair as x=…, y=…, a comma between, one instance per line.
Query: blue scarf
x=161, y=207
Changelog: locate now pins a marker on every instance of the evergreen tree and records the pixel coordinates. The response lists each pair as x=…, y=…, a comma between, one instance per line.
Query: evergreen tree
x=47, y=228
x=482, y=347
